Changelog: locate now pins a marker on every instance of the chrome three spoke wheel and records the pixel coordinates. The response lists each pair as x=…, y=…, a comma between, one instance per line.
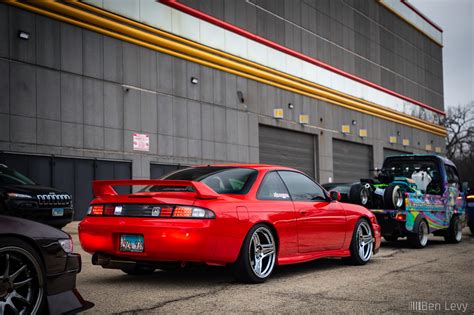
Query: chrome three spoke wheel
x=262, y=252
x=365, y=241
x=21, y=281
x=257, y=256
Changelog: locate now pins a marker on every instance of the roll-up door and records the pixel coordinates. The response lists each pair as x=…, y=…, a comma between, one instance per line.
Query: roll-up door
x=351, y=161
x=288, y=148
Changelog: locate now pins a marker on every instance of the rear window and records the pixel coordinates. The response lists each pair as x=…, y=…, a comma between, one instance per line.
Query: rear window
x=223, y=180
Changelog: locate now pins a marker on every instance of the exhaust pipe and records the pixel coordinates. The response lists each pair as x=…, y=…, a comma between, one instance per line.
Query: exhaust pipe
x=108, y=262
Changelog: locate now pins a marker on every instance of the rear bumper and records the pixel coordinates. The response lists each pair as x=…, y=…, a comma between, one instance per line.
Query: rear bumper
x=388, y=224
x=190, y=240
x=377, y=237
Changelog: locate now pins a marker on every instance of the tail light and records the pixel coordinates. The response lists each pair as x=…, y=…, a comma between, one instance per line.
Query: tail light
x=153, y=211
x=400, y=216
x=96, y=210
x=192, y=212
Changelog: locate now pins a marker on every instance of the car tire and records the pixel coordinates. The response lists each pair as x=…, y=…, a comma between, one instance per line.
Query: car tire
x=138, y=270
x=390, y=238
x=393, y=197
x=362, y=244
x=16, y=255
x=454, y=233
x=360, y=194
x=258, y=252
x=419, y=239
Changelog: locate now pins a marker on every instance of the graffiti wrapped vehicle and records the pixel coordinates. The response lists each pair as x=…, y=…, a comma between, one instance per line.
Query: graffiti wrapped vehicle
x=470, y=212
x=413, y=196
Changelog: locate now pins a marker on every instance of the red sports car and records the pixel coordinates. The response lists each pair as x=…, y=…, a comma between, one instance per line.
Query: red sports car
x=252, y=217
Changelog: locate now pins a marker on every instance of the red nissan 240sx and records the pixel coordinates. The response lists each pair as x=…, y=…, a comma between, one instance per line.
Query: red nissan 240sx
x=252, y=217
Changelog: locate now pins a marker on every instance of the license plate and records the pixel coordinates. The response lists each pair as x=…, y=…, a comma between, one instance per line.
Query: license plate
x=131, y=243
x=57, y=212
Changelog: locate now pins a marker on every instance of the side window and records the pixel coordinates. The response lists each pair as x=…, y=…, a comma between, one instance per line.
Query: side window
x=301, y=187
x=272, y=188
x=453, y=178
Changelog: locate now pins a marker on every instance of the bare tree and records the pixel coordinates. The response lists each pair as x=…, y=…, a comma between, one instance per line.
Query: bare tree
x=459, y=123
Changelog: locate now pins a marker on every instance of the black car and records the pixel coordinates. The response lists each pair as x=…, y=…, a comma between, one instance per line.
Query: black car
x=21, y=197
x=37, y=269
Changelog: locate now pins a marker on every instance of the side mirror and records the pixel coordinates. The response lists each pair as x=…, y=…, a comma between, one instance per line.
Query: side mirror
x=335, y=195
x=465, y=187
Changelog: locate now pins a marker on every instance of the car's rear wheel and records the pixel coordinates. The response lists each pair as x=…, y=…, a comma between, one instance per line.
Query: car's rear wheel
x=419, y=239
x=393, y=197
x=362, y=244
x=138, y=270
x=360, y=194
x=454, y=232
x=22, y=278
x=257, y=256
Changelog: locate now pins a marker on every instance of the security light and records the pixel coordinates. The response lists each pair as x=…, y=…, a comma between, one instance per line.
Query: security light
x=24, y=35
x=194, y=80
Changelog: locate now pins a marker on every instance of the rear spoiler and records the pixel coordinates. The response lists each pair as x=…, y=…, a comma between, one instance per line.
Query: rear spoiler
x=105, y=187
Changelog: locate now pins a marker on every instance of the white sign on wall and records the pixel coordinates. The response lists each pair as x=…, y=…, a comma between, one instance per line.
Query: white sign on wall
x=141, y=142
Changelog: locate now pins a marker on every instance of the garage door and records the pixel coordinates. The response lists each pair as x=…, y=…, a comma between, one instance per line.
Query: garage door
x=351, y=161
x=390, y=152
x=287, y=148
x=74, y=176
x=159, y=170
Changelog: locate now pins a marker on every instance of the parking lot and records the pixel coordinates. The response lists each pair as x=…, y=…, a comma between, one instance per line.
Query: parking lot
x=440, y=274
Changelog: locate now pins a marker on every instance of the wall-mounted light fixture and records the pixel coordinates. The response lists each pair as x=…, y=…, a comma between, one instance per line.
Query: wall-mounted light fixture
x=291, y=106
x=392, y=139
x=304, y=119
x=194, y=80
x=398, y=133
x=278, y=113
x=354, y=122
x=23, y=35
x=346, y=129
x=240, y=96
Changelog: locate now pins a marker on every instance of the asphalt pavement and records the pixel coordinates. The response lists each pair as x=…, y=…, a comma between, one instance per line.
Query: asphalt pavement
x=436, y=279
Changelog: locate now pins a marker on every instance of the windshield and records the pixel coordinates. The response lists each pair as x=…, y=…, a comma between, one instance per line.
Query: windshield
x=223, y=180
x=12, y=177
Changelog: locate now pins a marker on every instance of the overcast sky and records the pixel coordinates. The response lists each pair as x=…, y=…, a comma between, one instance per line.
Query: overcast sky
x=456, y=18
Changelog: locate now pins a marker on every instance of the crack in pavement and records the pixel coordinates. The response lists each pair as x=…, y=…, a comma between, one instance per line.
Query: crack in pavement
x=408, y=267
x=309, y=298
x=164, y=303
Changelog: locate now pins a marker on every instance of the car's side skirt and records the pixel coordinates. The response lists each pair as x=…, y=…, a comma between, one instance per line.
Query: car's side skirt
x=300, y=258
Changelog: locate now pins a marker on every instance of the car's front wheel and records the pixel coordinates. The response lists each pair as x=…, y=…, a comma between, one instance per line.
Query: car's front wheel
x=454, y=232
x=22, y=278
x=362, y=244
x=257, y=256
